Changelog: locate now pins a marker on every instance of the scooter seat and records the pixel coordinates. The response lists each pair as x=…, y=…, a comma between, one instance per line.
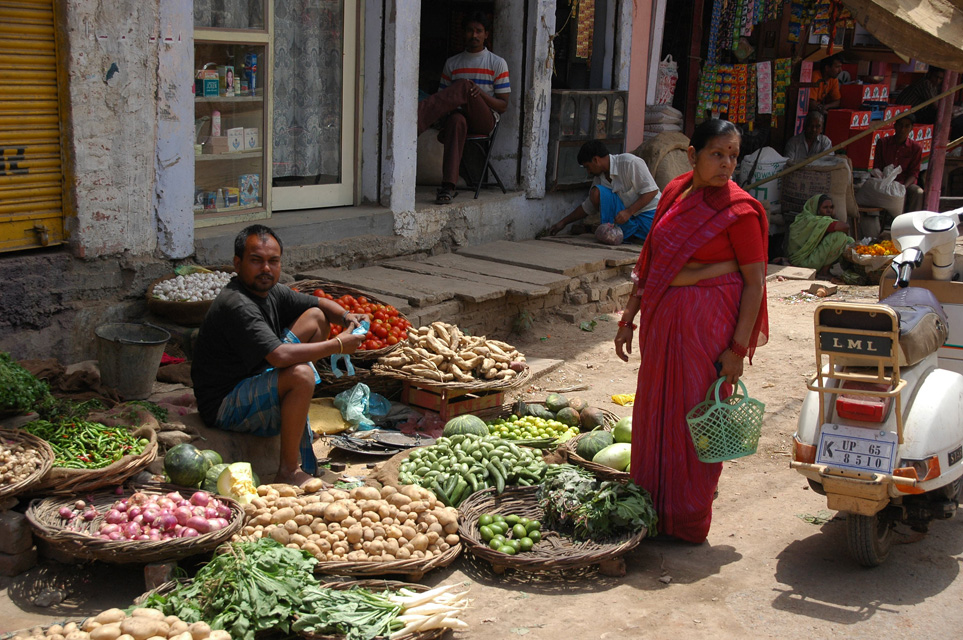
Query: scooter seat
x=923, y=327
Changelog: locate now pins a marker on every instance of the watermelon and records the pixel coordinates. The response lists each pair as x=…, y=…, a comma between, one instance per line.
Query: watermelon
x=568, y=416
x=555, y=402
x=591, y=443
x=623, y=430
x=539, y=411
x=592, y=418
x=617, y=456
x=467, y=424
x=185, y=465
x=213, y=456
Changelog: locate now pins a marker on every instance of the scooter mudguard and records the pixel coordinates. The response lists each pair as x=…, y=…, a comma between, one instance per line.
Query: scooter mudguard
x=934, y=422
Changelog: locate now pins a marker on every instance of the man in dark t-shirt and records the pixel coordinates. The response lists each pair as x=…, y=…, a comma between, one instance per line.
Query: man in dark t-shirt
x=253, y=366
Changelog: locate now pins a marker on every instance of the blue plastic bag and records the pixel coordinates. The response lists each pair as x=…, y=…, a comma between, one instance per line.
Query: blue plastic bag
x=358, y=405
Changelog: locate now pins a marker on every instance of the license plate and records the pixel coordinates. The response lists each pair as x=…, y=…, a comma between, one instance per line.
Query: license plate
x=871, y=450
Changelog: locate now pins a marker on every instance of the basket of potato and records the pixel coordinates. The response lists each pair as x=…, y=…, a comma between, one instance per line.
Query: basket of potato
x=114, y=624
x=361, y=532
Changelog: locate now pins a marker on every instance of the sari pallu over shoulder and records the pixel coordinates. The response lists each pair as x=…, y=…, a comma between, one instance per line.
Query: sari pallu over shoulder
x=680, y=228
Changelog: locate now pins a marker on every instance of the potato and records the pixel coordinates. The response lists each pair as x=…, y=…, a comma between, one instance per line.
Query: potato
x=311, y=548
x=305, y=530
x=57, y=629
x=349, y=522
x=126, y=636
x=109, y=631
x=313, y=485
x=144, y=626
x=339, y=494
x=451, y=527
x=452, y=539
x=420, y=542
x=387, y=491
x=281, y=535
x=314, y=510
x=436, y=528
x=177, y=627
x=384, y=510
x=355, y=533
x=200, y=630
x=403, y=553
x=298, y=540
x=357, y=556
x=399, y=500
x=365, y=493
x=219, y=634
x=432, y=537
x=70, y=627
x=283, y=515
x=104, y=617
x=408, y=532
x=326, y=497
x=183, y=635
x=291, y=526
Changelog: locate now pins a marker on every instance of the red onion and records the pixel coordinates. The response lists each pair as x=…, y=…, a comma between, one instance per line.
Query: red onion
x=133, y=512
x=187, y=532
x=138, y=519
x=109, y=528
x=200, y=498
x=142, y=536
x=66, y=513
x=175, y=496
x=217, y=523
x=150, y=515
x=165, y=521
x=198, y=511
x=115, y=517
x=90, y=514
x=131, y=530
x=154, y=535
x=210, y=512
x=183, y=514
x=116, y=535
x=223, y=511
x=165, y=503
x=121, y=505
x=199, y=524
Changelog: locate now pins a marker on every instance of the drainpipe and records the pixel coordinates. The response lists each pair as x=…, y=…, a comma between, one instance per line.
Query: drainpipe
x=941, y=133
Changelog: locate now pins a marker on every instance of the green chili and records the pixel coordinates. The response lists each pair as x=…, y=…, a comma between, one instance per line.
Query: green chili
x=86, y=445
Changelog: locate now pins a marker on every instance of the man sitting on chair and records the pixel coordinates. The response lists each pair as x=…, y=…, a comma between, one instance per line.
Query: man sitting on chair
x=474, y=89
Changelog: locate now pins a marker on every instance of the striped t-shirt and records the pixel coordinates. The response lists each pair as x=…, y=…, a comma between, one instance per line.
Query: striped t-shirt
x=484, y=68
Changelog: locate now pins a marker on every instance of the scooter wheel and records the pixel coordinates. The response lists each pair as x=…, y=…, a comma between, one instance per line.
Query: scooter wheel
x=870, y=538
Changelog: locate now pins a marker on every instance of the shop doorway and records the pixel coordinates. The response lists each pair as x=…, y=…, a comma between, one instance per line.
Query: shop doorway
x=313, y=122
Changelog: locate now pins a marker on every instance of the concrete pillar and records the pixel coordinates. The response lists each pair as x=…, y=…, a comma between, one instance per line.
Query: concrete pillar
x=174, y=162
x=537, y=96
x=400, y=114
x=638, y=78
x=372, y=57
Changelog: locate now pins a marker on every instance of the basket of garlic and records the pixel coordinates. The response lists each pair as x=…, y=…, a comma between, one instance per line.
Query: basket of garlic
x=185, y=296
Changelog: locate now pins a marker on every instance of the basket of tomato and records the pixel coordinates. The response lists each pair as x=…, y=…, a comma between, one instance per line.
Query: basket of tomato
x=389, y=327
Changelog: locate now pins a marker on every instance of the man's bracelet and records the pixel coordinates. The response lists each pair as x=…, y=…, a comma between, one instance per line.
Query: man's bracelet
x=340, y=344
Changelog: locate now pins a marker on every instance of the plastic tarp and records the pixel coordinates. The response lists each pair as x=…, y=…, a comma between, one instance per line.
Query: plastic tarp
x=928, y=30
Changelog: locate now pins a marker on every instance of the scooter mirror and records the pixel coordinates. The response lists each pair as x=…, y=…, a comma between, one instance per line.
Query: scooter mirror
x=938, y=224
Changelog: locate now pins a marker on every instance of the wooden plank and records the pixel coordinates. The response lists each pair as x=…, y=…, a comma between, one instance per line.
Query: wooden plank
x=535, y=254
x=506, y=286
x=476, y=266
x=419, y=289
x=401, y=304
x=588, y=241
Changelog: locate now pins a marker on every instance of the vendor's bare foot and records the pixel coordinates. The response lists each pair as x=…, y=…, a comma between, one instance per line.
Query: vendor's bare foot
x=295, y=478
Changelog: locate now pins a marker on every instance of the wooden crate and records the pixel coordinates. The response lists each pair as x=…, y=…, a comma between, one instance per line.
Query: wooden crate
x=448, y=403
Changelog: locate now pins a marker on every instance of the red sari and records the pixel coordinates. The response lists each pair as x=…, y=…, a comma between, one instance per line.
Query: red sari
x=682, y=333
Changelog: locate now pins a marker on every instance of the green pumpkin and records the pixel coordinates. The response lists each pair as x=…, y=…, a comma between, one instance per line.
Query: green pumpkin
x=467, y=424
x=556, y=402
x=591, y=443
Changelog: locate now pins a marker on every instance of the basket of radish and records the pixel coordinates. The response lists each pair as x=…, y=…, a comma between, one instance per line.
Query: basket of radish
x=147, y=525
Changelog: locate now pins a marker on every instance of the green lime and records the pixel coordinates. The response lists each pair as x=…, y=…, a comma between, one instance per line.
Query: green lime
x=514, y=544
x=526, y=544
x=519, y=531
x=507, y=549
x=512, y=519
x=484, y=519
x=499, y=539
x=535, y=535
x=497, y=517
x=486, y=533
x=533, y=525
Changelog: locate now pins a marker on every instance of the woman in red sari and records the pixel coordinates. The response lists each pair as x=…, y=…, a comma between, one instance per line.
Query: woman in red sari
x=701, y=303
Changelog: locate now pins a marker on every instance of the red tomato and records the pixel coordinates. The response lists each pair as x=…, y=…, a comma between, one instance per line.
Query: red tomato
x=380, y=331
x=392, y=339
x=318, y=293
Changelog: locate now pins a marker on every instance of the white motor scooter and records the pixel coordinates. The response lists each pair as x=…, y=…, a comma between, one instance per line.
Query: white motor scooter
x=880, y=433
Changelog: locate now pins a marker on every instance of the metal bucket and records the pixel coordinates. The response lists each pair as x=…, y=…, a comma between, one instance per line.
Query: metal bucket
x=129, y=356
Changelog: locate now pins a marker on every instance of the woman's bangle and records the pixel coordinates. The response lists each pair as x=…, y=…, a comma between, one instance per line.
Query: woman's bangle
x=623, y=323
x=340, y=344
x=738, y=349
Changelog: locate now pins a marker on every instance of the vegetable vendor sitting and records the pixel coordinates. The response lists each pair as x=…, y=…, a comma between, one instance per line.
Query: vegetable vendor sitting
x=816, y=238
x=253, y=368
x=623, y=193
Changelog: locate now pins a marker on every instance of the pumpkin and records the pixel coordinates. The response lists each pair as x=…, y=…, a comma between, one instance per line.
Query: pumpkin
x=185, y=465
x=467, y=424
x=591, y=443
x=568, y=416
x=623, y=430
x=591, y=418
x=555, y=402
x=237, y=481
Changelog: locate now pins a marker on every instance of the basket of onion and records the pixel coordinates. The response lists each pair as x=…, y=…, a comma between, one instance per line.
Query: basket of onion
x=127, y=527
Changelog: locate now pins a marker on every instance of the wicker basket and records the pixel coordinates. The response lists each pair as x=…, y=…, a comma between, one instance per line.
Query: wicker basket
x=553, y=552
x=60, y=481
x=371, y=585
x=188, y=314
x=46, y=460
x=26, y=633
x=77, y=539
x=338, y=290
x=413, y=569
x=508, y=409
x=479, y=385
x=600, y=470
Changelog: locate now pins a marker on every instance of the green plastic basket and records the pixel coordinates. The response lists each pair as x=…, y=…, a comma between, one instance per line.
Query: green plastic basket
x=725, y=429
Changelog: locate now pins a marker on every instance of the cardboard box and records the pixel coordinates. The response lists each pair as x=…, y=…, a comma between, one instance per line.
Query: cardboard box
x=852, y=96
x=923, y=133
x=250, y=188
x=232, y=196
x=841, y=124
x=215, y=144
x=893, y=110
x=235, y=139
x=251, y=139
x=863, y=151
x=206, y=83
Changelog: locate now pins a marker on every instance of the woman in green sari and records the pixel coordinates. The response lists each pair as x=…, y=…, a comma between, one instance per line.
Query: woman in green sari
x=816, y=238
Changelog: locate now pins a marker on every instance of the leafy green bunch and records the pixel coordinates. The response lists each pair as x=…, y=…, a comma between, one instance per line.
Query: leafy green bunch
x=19, y=390
x=573, y=499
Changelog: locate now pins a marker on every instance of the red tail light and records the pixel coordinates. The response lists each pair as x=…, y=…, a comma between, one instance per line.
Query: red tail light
x=862, y=407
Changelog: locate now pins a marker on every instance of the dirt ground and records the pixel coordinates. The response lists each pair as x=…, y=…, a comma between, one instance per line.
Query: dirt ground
x=775, y=564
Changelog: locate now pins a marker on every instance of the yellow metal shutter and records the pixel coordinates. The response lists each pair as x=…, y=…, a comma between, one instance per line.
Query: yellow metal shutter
x=31, y=179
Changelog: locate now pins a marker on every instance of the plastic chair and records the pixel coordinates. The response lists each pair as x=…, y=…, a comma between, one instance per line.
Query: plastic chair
x=484, y=144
